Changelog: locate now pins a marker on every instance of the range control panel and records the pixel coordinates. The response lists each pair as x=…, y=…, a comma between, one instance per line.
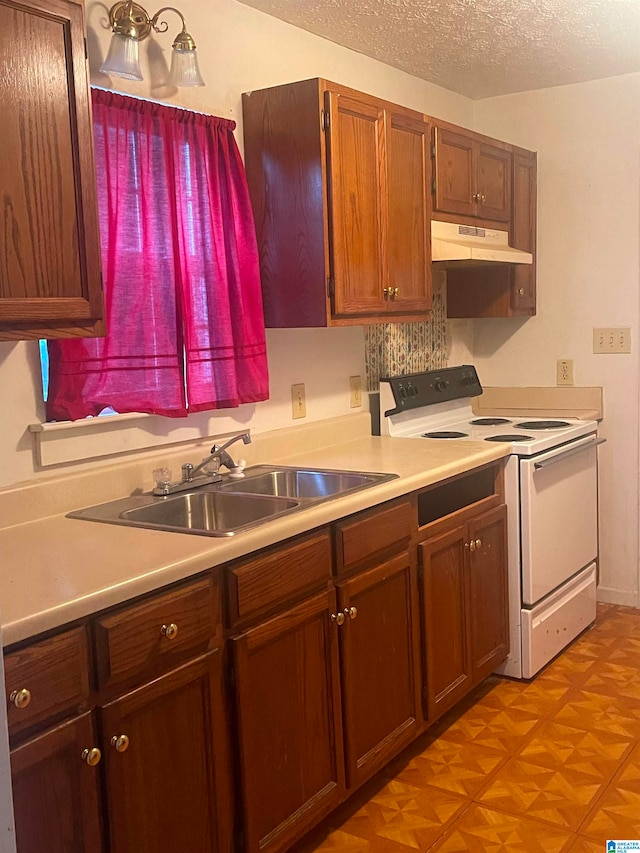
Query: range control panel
x=432, y=386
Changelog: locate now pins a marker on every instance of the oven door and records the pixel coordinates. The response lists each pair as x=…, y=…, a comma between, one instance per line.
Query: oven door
x=558, y=516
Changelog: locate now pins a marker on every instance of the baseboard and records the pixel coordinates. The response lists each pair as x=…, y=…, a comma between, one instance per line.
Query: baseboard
x=610, y=595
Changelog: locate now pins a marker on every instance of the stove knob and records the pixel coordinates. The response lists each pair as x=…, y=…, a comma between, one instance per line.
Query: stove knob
x=403, y=391
x=414, y=391
x=440, y=384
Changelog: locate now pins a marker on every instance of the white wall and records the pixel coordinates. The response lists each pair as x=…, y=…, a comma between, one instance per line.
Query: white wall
x=240, y=49
x=588, y=141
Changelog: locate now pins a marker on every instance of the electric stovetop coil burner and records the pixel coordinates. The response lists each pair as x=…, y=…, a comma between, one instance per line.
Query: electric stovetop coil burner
x=446, y=433
x=543, y=425
x=489, y=421
x=519, y=437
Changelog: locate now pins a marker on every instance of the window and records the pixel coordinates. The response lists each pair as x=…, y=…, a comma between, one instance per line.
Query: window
x=180, y=267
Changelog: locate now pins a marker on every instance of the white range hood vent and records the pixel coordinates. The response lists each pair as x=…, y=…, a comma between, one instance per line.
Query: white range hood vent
x=451, y=242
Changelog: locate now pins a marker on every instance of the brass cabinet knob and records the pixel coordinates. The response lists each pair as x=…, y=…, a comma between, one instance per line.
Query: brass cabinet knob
x=475, y=197
x=92, y=756
x=472, y=545
x=385, y=291
x=120, y=743
x=20, y=698
x=483, y=197
x=478, y=543
x=394, y=292
x=338, y=618
x=169, y=631
x=351, y=612
x=521, y=291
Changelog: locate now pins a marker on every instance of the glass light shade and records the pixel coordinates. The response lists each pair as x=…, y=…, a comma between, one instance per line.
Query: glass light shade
x=123, y=58
x=184, y=68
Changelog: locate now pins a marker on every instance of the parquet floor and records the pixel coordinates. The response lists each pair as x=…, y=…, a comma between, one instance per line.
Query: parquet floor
x=551, y=765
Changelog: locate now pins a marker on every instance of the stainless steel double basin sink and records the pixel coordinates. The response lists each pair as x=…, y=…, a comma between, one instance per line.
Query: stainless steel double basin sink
x=233, y=505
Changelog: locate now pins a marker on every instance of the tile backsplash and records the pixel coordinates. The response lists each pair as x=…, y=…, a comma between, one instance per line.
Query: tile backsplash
x=395, y=349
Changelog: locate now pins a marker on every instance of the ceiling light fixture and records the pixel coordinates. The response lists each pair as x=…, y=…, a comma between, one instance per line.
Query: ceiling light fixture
x=131, y=24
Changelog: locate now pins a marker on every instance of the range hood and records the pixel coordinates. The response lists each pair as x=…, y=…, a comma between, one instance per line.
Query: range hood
x=451, y=242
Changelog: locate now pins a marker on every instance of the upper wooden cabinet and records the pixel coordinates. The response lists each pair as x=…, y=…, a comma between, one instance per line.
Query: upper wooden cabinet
x=505, y=290
x=339, y=183
x=472, y=176
x=50, y=283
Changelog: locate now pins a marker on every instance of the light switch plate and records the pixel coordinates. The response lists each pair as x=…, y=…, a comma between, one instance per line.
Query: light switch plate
x=298, y=401
x=612, y=339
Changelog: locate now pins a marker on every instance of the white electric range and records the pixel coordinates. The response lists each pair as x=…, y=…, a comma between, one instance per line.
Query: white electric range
x=551, y=491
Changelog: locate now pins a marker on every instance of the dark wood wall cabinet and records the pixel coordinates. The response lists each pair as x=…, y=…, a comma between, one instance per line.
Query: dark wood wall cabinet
x=339, y=183
x=503, y=290
x=234, y=712
x=344, y=187
x=471, y=175
x=50, y=282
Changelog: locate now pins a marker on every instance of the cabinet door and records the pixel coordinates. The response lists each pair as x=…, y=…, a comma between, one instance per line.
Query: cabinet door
x=493, y=182
x=523, y=230
x=488, y=595
x=50, y=283
x=289, y=728
x=56, y=793
x=445, y=620
x=379, y=666
x=454, y=173
x=160, y=787
x=409, y=215
x=357, y=187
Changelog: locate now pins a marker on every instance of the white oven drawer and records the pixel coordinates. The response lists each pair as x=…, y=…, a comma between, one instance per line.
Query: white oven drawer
x=558, y=516
x=555, y=622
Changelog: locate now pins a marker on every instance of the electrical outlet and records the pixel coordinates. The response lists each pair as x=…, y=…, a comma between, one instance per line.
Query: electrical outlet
x=616, y=339
x=298, y=401
x=355, y=391
x=564, y=371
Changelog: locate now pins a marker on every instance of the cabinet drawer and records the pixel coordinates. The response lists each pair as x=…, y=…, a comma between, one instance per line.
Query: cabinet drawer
x=155, y=635
x=47, y=679
x=283, y=574
x=371, y=533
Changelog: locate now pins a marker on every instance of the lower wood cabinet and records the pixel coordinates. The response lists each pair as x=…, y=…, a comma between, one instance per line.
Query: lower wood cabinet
x=465, y=606
x=380, y=673
x=56, y=793
x=342, y=650
x=159, y=758
x=155, y=763
x=289, y=723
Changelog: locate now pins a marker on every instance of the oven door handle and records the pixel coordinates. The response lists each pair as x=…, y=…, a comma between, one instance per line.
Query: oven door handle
x=571, y=452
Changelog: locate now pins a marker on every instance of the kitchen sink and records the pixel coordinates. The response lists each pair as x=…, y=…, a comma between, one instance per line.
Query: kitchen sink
x=233, y=505
x=208, y=512
x=304, y=483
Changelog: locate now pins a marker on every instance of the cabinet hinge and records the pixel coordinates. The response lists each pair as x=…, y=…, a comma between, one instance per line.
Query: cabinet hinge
x=433, y=185
x=331, y=287
x=325, y=119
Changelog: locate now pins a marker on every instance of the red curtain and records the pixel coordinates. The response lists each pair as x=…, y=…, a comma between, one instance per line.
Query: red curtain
x=180, y=267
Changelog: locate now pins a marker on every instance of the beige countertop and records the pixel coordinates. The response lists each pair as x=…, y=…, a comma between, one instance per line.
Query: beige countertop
x=57, y=569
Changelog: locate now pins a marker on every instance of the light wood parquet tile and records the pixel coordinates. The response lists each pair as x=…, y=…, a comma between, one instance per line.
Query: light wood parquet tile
x=560, y=796
x=593, y=753
x=459, y=767
x=585, y=709
x=548, y=765
x=617, y=813
x=481, y=829
x=496, y=728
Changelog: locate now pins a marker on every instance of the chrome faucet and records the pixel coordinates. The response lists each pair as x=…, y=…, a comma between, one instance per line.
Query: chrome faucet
x=220, y=453
x=193, y=476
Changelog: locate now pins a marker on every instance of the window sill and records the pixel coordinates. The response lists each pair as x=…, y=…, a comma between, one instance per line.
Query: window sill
x=113, y=435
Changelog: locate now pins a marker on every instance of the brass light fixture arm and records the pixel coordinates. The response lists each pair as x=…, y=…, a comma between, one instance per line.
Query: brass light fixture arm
x=130, y=18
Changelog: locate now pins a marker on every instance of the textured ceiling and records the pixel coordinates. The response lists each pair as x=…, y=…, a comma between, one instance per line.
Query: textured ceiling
x=480, y=48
